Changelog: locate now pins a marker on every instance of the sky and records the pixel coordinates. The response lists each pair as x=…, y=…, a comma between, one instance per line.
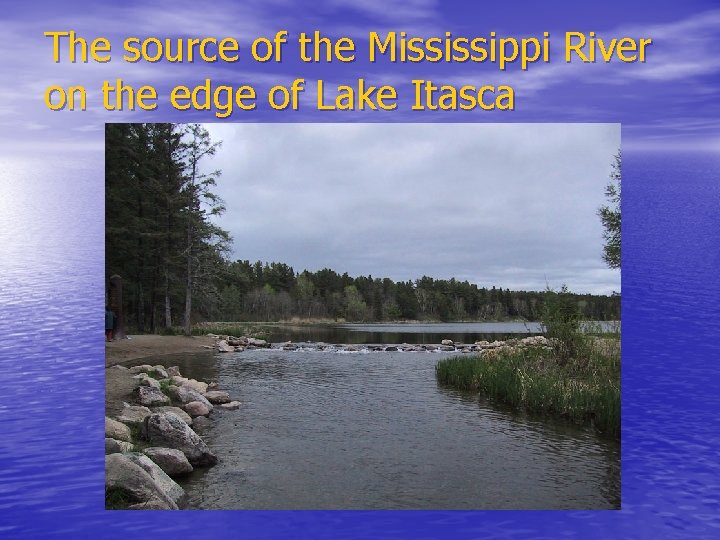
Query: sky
x=507, y=205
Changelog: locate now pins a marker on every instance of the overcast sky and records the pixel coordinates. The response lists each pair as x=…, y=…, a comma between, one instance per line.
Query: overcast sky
x=510, y=205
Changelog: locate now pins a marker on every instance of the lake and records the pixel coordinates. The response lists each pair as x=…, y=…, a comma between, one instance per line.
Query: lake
x=323, y=430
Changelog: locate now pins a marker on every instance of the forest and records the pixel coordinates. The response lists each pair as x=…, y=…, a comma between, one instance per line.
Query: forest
x=162, y=237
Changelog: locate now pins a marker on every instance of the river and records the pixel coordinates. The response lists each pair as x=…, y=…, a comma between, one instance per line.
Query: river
x=327, y=430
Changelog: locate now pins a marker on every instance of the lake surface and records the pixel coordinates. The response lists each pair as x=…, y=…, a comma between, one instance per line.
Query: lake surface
x=323, y=430
x=411, y=333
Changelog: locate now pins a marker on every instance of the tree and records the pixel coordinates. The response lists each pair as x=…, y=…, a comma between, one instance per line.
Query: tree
x=610, y=216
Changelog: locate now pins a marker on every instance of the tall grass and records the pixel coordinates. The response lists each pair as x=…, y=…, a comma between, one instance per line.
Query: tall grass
x=584, y=391
x=236, y=329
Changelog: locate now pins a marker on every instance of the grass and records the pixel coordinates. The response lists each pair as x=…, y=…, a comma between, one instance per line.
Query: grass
x=584, y=389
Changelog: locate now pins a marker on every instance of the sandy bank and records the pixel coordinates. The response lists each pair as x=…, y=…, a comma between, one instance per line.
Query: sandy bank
x=145, y=346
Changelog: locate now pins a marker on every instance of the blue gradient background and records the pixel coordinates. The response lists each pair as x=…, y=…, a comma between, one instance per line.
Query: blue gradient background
x=52, y=251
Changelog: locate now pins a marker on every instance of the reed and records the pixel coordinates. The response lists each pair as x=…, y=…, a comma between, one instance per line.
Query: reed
x=584, y=390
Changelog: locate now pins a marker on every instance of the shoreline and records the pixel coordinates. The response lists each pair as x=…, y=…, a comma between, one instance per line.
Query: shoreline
x=140, y=346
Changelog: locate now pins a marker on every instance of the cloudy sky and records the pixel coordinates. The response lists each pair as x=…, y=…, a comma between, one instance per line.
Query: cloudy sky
x=511, y=205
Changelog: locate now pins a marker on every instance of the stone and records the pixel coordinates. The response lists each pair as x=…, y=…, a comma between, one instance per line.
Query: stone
x=184, y=394
x=133, y=414
x=123, y=474
x=140, y=369
x=173, y=371
x=230, y=406
x=195, y=408
x=149, y=397
x=168, y=430
x=159, y=372
x=161, y=479
x=196, y=385
x=446, y=348
x=447, y=342
x=117, y=430
x=146, y=380
x=212, y=386
x=223, y=346
x=172, y=461
x=257, y=342
x=178, y=380
x=201, y=423
x=217, y=397
x=150, y=505
x=113, y=446
x=391, y=349
x=185, y=417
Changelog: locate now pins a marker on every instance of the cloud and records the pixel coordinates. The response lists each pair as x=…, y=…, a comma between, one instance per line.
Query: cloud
x=507, y=205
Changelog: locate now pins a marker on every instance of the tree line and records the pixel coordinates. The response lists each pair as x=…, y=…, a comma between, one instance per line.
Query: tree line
x=161, y=237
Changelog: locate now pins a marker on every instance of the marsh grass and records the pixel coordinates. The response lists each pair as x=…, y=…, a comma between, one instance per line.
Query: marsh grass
x=584, y=389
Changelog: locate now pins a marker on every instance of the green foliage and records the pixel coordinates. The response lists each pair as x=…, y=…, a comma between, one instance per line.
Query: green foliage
x=561, y=323
x=610, y=216
x=532, y=379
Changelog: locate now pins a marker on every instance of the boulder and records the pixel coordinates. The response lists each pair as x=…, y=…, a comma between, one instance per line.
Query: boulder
x=146, y=380
x=447, y=342
x=230, y=406
x=391, y=349
x=217, y=397
x=117, y=430
x=195, y=408
x=149, y=396
x=184, y=394
x=196, y=385
x=172, y=461
x=185, y=417
x=257, y=342
x=223, y=346
x=201, y=423
x=161, y=479
x=168, y=430
x=158, y=371
x=113, y=446
x=173, y=371
x=133, y=415
x=122, y=474
x=178, y=380
x=140, y=369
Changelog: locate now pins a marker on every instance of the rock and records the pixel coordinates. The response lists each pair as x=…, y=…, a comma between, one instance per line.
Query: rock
x=257, y=342
x=134, y=415
x=213, y=336
x=446, y=348
x=217, y=397
x=482, y=343
x=201, y=423
x=195, y=408
x=447, y=342
x=117, y=430
x=149, y=396
x=535, y=341
x=196, y=385
x=122, y=473
x=391, y=349
x=113, y=446
x=184, y=394
x=222, y=346
x=170, y=431
x=185, y=417
x=178, y=380
x=158, y=372
x=172, y=461
x=235, y=342
x=212, y=386
x=151, y=505
x=230, y=406
x=118, y=366
x=146, y=380
x=161, y=479
x=173, y=371
x=140, y=369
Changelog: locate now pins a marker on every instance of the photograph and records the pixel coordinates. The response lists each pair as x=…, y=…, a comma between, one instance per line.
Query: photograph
x=362, y=316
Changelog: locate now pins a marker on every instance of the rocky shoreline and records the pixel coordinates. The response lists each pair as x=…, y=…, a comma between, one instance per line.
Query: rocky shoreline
x=155, y=440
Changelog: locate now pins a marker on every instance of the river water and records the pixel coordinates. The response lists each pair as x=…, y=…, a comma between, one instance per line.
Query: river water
x=328, y=430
